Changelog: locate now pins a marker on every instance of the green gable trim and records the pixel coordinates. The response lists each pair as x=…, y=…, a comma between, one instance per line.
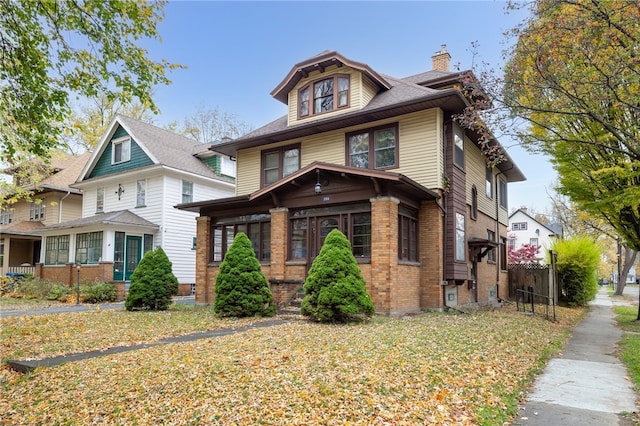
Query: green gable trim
x=213, y=163
x=105, y=168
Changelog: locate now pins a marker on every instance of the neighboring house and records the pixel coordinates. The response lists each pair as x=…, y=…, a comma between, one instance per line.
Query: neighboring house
x=131, y=183
x=52, y=201
x=524, y=229
x=382, y=160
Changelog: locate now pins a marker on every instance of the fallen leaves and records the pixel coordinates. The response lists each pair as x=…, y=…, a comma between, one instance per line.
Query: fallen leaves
x=431, y=369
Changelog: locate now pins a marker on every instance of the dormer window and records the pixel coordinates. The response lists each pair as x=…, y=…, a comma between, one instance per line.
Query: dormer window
x=329, y=94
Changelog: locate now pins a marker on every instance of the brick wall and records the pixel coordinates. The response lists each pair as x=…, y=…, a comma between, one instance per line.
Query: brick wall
x=279, y=240
x=384, y=252
x=203, y=248
x=431, y=249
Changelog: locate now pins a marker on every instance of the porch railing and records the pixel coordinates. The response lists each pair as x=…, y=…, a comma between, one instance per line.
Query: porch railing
x=18, y=270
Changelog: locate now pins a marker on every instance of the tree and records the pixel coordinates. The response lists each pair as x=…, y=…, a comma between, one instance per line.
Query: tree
x=527, y=254
x=573, y=76
x=242, y=289
x=335, y=289
x=152, y=282
x=53, y=50
x=211, y=126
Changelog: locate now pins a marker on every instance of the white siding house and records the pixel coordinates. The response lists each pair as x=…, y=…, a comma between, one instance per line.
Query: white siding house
x=524, y=229
x=131, y=184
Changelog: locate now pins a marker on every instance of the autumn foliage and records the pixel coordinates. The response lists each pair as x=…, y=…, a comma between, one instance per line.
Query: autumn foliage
x=152, y=283
x=335, y=289
x=526, y=254
x=242, y=289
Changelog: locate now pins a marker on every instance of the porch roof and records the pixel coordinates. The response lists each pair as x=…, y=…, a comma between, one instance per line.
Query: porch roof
x=120, y=218
x=383, y=182
x=24, y=228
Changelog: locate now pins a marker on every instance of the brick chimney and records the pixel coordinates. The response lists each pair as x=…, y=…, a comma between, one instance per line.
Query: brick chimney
x=441, y=60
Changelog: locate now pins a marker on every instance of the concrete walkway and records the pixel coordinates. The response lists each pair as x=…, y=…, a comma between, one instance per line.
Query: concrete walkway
x=587, y=384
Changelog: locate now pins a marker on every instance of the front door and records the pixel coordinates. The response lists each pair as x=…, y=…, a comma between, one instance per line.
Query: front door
x=324, y=225
x=133, y=254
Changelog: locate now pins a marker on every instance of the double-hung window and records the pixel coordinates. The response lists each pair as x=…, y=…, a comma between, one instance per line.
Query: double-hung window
x=36, y=210
x=121, y=150
x=489, y=182
x=324, y=95
x=502, y=184
x=100, y=200
x=458, y=146
x=491, y=254
x=460, y=237
x=141, y=193
x=279, y=163
x=187, y=191
x=407, y=235
x=375, y=148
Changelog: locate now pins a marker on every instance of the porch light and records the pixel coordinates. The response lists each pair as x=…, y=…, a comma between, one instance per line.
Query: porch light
x=78, y=285
x=318, y=187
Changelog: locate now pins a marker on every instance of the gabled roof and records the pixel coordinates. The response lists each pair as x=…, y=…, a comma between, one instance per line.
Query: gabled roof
x=320, y=62
x=119, y=218
x=309, y=173
x=68, y=174
x=162, y=146
x=524, y=212
x=396, y=97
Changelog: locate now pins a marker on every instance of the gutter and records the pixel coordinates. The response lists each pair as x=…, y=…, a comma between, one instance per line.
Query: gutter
x=60, y=206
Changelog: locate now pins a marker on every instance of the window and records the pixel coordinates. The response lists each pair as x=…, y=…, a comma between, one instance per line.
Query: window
x=89, y=247
x=1, y=253
x=100, y=200
x=407, y=235
x=36, y=210
x=519, y=226
x=279, y=163
x=141, y=193
x=6, y=216
x=489, y=182
x=329, y=94
x=194, y=243
x=533, y=242
x=502, y=193
x=503, y=253
x=491, y=255
x=256, y=227
x=187, y=191
x=121, y=150
x=458, y=146
x=474, y=202
x=511, y=244
x=57, y=250
x=373, y=148
x=309, y=227
x=460, y=238
x=147, y=243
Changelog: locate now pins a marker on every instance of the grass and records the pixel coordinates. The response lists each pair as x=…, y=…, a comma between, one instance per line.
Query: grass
x=435, y=368
x=626, y=316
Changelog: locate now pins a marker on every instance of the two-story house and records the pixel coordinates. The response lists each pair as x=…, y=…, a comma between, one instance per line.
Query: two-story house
x=131, y=183
x=525, y=229
x=51, y=201
x=381, y=159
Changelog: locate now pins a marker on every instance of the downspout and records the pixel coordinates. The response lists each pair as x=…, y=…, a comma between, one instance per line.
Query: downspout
x=498, y=254
x=60, y=206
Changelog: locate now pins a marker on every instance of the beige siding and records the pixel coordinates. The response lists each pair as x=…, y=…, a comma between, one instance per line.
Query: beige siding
x=475, y=166
x=357, y=99
x=369, y=90
x=420, y=148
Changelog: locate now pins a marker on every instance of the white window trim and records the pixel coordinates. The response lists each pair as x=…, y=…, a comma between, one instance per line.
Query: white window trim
x=120, y=141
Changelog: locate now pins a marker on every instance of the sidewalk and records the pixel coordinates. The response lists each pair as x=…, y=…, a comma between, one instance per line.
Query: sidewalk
x=586, y=384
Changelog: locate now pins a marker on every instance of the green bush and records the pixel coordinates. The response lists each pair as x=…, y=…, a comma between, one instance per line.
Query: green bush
x=578, y=260
x=152, y=283
x=335, y=289
x=98, y=292
x=59, y=292
x=242, y=289
x=34, y=288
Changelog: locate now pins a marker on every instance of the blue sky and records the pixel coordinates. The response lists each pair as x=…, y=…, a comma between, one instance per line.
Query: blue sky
x=237, y=52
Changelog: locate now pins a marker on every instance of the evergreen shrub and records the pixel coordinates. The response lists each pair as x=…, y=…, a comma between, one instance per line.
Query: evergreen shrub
x=152, y=283
x=577, y=263
x=335, y=290
x=242, y=289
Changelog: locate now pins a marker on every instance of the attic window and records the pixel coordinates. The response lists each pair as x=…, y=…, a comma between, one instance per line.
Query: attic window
x=329, y=94
x=121, y=151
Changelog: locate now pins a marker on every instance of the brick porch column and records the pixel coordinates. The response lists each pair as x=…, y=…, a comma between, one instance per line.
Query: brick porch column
x=204, y=291
x=384, y=252
x=431, y=249
x=279, y=240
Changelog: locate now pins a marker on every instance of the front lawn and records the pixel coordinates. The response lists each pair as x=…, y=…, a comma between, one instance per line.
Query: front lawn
x=435, y=368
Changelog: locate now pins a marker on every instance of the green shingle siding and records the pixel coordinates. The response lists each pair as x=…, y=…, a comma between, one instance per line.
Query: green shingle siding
x=213, y=163
x=138, y=158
